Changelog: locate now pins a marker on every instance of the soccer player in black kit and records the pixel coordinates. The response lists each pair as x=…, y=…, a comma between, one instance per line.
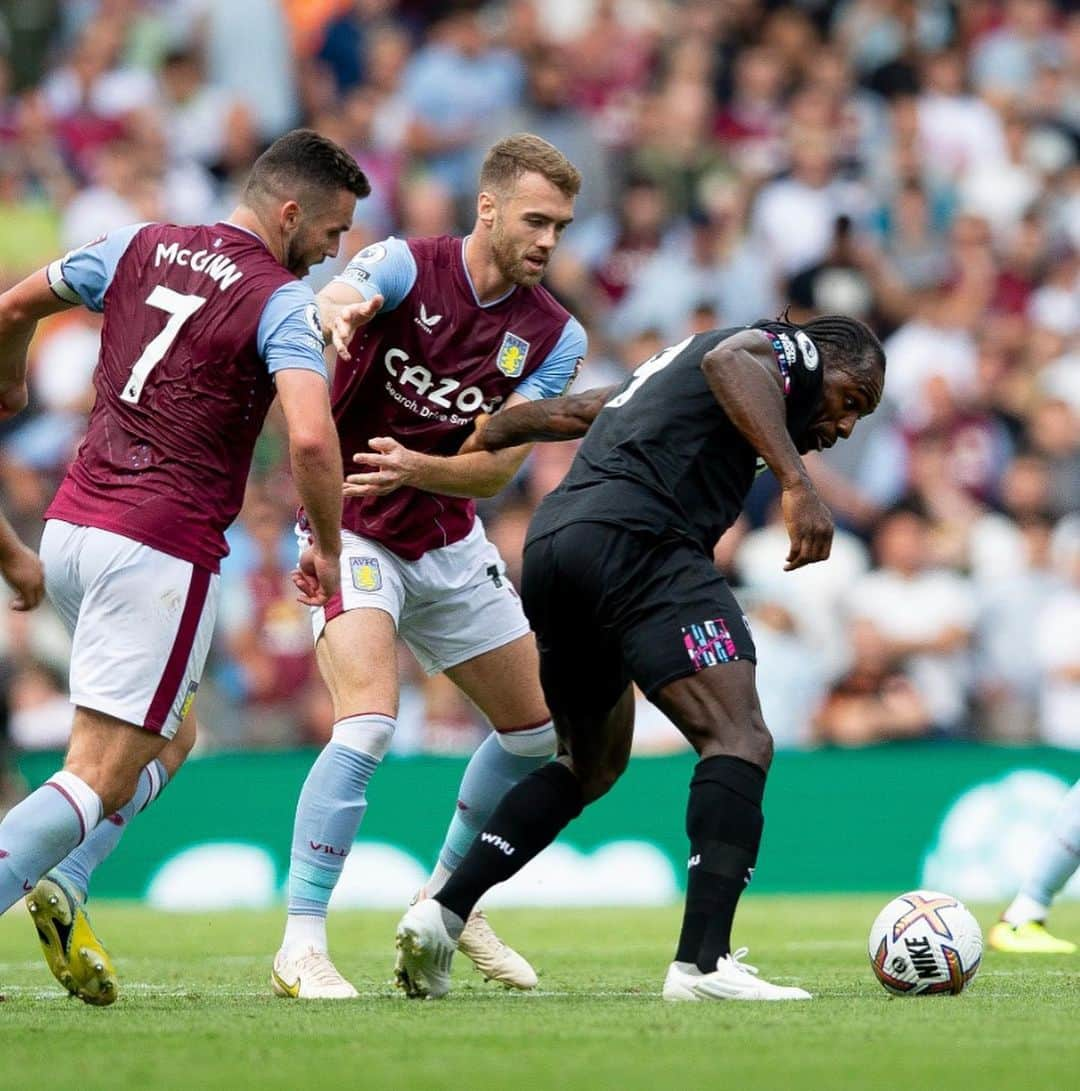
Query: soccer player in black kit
x=620, y=587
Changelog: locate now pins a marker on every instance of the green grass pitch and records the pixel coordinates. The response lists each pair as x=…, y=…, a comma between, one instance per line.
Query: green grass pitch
x=195, y=1011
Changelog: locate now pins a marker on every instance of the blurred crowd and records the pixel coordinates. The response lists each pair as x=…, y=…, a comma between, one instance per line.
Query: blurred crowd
x=911, y=162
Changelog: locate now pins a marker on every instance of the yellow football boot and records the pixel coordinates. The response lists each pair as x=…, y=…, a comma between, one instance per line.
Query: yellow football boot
x=1030, y=938
x=73, y=952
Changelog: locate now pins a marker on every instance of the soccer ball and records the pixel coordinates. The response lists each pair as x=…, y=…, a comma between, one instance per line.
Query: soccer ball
x=925, y=942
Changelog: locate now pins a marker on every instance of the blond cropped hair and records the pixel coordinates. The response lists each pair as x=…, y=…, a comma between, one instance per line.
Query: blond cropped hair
x=525, y=153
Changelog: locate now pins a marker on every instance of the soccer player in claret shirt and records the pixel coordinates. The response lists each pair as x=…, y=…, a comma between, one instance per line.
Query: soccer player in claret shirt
x=203, y=326
x=453, y=328
x=620, y=587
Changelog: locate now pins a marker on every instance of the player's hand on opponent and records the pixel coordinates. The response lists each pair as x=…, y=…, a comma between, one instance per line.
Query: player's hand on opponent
x=809, y=525
x=24, y=573
x=388, y=464
x=317, y=576
x=475, y=440
x=13, y=399
x=349, y=319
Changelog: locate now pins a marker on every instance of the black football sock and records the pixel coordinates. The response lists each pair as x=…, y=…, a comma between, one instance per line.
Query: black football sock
x=724, y=823
x=528, y=818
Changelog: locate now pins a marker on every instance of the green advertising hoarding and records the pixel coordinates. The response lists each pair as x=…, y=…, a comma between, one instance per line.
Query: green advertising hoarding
x=882, y=819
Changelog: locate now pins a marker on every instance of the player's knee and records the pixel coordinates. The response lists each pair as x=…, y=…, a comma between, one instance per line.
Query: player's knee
x=598, y=783
x=710, y=731
x=366, y=734
x=540, y=742
x=597, y=780
x=748, y=739
x=759, y=742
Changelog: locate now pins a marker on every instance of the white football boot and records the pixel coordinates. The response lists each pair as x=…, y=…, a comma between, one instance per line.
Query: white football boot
x=732, y=979
x=309, y=976
x=425, y=951
x=494, y=959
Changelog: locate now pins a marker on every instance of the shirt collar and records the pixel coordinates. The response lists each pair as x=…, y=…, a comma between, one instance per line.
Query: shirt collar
x=472, y=287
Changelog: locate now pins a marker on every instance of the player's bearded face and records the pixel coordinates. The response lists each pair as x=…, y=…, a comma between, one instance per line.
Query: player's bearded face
x=316, y=235
x=518, y=260
x=526, y=228
x=845, y=399
x=302, y=250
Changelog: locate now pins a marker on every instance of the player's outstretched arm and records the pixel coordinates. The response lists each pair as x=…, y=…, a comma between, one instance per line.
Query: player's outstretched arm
x=342, y=311
x=389, y=466
x=547, y=420
x=21, y=568
x=316, y=467
x=21, y=308
x=483, y=466
x=742, y=375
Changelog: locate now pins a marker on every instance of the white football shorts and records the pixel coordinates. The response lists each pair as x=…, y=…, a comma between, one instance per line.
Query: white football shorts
x=449, y=606
x=140, y=623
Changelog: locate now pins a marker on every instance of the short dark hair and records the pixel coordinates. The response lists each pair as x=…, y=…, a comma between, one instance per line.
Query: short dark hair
x=301, y=160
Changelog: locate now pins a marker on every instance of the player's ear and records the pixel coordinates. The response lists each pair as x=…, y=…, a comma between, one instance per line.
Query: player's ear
x=290, y=215
x=485, y=208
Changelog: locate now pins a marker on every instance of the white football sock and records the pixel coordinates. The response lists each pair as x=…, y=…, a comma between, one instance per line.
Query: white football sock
x=303, y=932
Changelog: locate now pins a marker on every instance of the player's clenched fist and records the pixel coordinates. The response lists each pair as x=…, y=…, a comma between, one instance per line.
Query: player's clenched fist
x=809, y=525
x=25, y=575
x=349, y=319
x=317, y=576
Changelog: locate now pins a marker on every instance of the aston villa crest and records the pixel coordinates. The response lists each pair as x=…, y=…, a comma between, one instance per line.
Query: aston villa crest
x=512, y=353
x=366, y=575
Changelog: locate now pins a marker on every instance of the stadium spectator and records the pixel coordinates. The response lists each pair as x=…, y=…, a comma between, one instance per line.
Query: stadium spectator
x=266, y=638
x=911, y=228
x=875, y=701
x=923, y=617
x=548, y=110
x=792, y=672
x=752, y=122
x=605, y=255
x=958, y=131
x=234, y=33
x=40, y=714
x=710, y=262
x=200, y=118
x=1057, y=645
x=450, y=87
x=813, y=598
x=1007, y=684
x=1005, y=61
x=794, y=217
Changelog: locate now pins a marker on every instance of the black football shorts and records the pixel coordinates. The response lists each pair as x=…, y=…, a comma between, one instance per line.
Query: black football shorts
x=610, y=605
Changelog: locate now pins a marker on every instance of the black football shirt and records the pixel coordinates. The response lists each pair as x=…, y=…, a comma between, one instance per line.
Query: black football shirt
x=662, y=456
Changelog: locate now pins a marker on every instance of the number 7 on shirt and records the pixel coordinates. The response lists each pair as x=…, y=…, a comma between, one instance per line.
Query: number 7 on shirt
x=179, y=308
